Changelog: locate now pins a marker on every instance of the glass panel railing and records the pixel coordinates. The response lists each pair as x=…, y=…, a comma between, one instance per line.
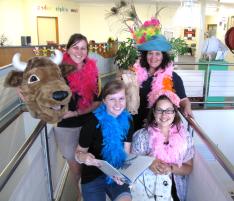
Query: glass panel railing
x=9, y=99
x=36, y=164
x=208, y=82
x=27, y=170
x=14, y=136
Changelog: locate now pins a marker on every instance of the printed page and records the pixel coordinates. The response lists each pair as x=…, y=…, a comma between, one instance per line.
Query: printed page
x=136, y=165
x=131, y=170
x=109, y=170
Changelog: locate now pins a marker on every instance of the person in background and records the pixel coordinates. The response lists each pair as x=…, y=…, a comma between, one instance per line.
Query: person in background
x=154, y=67
x=84, y=86
x=212, y=46
x=107, y=136
x=165, y=138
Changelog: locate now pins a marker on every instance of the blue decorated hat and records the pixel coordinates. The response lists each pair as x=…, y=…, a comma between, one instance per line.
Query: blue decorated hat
x=157, y=42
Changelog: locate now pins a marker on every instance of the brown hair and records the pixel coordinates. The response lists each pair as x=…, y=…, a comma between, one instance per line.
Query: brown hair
x=151, y=119
x=165, y=61
x=76, y=38
x=112, y=87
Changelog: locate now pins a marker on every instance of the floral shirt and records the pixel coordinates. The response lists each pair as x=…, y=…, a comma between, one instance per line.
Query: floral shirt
x=140, y=145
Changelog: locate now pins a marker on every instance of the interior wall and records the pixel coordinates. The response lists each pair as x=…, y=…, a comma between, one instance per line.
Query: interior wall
x=21, y=18
x=218, y=125
x=12, y=22
x=103, y=27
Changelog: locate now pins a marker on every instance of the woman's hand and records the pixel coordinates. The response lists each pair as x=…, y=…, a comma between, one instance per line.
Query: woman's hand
x=160, y=167
x=86, y=158
x=117, y=180
x=186, y=107
x=70, y=114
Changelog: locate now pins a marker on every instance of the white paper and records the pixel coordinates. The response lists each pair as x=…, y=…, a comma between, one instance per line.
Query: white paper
x=134, y=166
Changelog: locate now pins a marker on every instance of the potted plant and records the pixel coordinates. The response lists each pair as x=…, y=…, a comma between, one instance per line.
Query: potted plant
x=179, y=47
x=126, y=54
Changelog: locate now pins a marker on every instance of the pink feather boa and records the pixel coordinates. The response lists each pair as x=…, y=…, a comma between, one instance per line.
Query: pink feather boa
x=83, y=82
x=174, y=151
x=157, y=87
x=141, y=73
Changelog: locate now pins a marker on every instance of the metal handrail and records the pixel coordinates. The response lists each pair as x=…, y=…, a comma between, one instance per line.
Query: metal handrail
x=5, y=67
x=210, y=102
x=220, y=157
x=203, y=63
x=18, y=157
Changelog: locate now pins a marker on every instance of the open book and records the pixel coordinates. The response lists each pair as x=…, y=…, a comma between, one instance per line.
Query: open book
x=133, y=167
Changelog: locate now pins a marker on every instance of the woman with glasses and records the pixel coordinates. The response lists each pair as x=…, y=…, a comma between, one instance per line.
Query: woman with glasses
x=154, y=65
x=165, y=138
x=84, y=86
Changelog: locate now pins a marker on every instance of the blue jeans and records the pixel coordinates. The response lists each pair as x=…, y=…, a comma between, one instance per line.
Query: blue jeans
x=97, y=189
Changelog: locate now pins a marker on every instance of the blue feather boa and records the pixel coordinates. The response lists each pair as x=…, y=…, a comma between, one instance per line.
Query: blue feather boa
x=114, y=131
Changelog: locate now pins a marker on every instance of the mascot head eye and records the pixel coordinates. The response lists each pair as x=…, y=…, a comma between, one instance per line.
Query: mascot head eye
x=33, y=78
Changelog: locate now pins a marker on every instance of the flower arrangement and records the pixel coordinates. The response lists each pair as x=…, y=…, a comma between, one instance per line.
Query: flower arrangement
x=126, y=14
x=146, y=31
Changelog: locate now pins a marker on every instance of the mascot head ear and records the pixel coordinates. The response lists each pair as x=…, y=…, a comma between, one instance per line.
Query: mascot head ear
x=13, y=79
x=66, y=69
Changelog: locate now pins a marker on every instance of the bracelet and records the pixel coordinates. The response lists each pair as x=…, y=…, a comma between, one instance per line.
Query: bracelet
x=77, y=159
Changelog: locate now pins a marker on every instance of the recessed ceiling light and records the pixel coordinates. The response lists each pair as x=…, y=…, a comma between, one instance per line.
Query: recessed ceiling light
x=226, y=1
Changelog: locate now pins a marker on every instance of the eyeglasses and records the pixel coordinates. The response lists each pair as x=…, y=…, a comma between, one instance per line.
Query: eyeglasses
x=167, y=111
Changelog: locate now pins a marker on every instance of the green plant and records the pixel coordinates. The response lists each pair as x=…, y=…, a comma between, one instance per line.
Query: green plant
x=126, y=54
x=179, y=46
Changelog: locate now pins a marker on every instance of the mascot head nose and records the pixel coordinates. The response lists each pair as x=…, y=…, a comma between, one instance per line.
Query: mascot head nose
x=60, y=95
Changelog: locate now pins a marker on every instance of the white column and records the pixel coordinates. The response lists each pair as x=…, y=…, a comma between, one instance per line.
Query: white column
x=201, y=29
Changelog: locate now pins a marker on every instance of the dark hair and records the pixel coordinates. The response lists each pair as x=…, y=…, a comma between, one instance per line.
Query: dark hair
x=143, y=60
x=76, y=38
x=151, y=119
x=112, y=87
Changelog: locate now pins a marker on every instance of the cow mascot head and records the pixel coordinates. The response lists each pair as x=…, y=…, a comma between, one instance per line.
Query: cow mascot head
x=42, y=84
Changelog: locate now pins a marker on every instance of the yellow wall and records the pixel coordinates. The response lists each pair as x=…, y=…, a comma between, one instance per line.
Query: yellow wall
x=90, y=20
x=21, y=19
x=11, y=20
x=98, y=27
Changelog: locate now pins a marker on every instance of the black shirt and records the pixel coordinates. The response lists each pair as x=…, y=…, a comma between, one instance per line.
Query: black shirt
x=144, y=91
x=91, y=138
x=78, y=121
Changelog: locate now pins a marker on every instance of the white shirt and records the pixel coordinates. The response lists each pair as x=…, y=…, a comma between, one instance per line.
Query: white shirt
x=213, y=45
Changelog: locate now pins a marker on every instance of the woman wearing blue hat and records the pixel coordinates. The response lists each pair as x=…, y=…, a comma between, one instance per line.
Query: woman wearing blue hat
x=153, y=68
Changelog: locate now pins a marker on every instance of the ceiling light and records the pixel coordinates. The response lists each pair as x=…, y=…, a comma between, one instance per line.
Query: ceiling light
x=226, y=1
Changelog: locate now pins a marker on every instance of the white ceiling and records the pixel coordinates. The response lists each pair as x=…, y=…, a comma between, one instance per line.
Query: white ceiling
x=175, y=2
x=154, y=1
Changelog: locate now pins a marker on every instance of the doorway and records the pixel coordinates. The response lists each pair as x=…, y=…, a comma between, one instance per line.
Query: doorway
x=47, y=30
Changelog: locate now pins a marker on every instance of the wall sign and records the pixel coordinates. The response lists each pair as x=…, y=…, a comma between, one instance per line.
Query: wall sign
x=59, y=8
x=189, y=33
